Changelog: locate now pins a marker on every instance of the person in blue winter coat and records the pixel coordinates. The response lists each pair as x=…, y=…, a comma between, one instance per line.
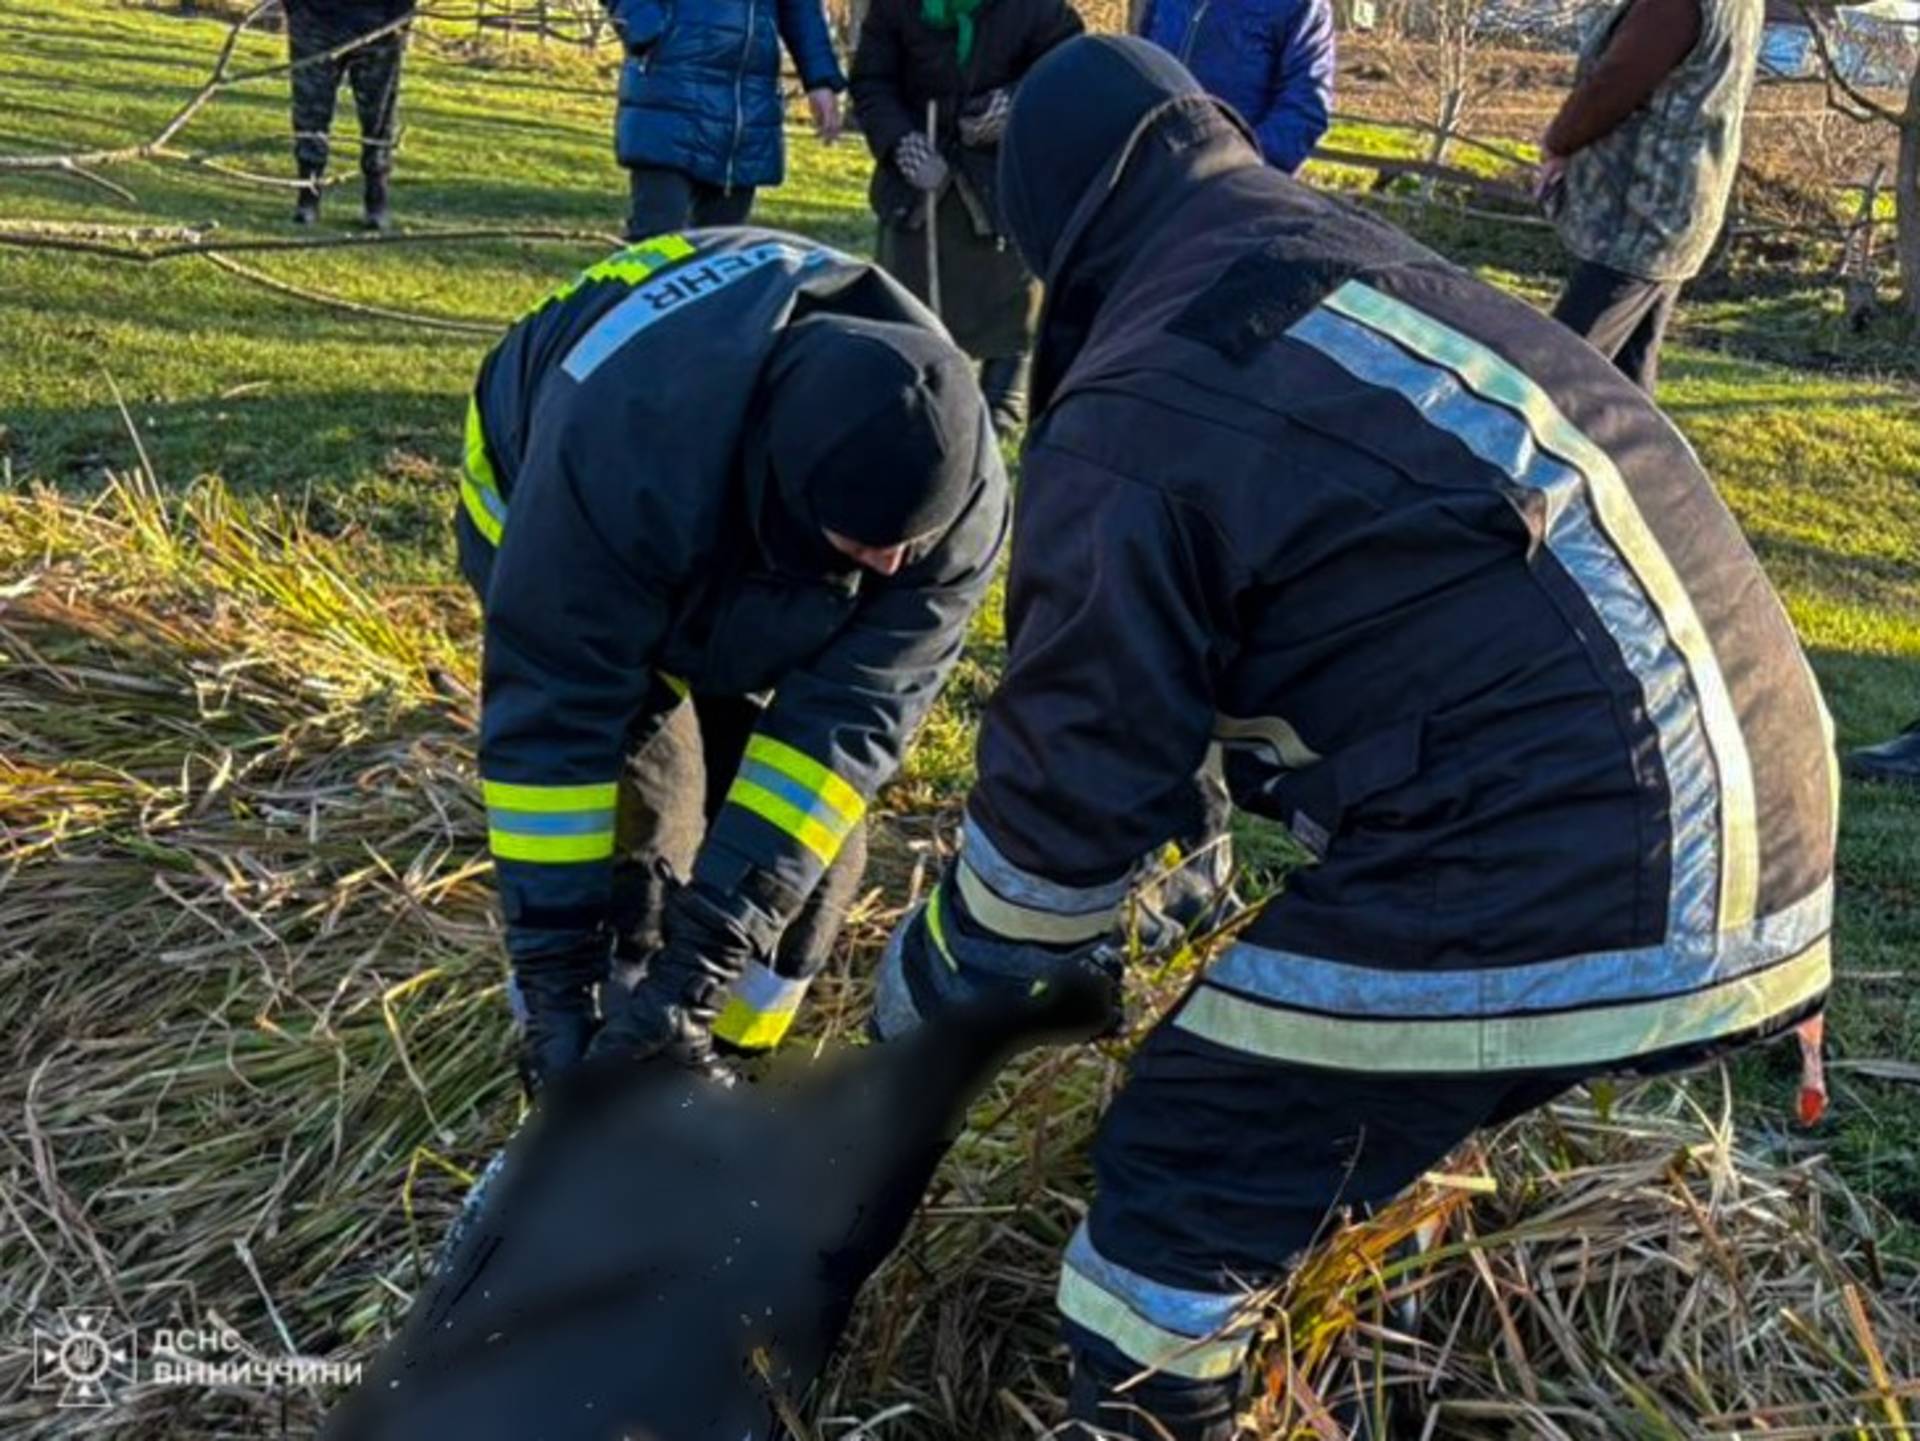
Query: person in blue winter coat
x=1272, y=60
x=699, y=121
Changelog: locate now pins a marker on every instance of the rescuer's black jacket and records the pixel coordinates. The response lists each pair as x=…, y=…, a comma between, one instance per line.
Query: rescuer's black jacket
x=1458, y=602
x=630, y=543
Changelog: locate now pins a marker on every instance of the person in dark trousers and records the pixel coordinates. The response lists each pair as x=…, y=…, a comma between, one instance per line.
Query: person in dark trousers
x=965, y=58
x=700, y=120
x=741, y=474
x=1893, y=762
x=1469, y=621
x=326, y=40
x=1638, y=165
x=1272, y=60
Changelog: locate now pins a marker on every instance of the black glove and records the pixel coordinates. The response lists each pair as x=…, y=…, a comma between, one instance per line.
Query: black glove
x=557, y=1021
x=669, y=1008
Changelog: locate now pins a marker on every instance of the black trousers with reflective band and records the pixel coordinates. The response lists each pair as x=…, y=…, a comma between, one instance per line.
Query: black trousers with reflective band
x=1622, y=316
x=1216, y=1169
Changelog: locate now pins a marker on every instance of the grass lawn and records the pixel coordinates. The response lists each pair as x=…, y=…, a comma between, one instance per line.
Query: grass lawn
x=357, y=419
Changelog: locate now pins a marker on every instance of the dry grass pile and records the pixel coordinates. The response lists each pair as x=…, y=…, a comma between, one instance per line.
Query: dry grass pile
x=253, y=1038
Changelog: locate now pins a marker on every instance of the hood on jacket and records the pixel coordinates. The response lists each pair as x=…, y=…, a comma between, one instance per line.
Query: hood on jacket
x=1108, y=136
x=868, y=428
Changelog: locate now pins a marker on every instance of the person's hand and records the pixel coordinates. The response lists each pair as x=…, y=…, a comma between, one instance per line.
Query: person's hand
x=825, y=105
x=552, y=998
x=667, y=1010
x=1549, y=175
x=923, y=166
x=984, y=118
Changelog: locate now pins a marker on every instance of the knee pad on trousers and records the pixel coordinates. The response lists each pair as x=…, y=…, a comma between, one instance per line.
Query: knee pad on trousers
x=1155, y=1408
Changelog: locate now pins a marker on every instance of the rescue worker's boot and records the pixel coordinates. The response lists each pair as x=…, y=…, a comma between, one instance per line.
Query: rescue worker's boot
x=1004, y=383
x=1156, y=1408
x=375, y=215
x=306, y=205
x=1894, y=762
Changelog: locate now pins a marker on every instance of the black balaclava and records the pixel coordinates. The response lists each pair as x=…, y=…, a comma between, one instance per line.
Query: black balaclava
x=1109, y=134
x=870, y=429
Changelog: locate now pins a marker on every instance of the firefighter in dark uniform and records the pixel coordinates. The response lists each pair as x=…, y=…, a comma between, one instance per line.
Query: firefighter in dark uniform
x=325, y=40
x=739, y=471
x=1467, y=618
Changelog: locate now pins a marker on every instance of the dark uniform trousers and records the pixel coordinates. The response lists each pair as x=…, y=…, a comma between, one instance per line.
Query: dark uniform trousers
x=317, y=27
x=1622, y=316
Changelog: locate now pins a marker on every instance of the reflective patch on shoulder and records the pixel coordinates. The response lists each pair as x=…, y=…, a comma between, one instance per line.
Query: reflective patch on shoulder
x=693, y=281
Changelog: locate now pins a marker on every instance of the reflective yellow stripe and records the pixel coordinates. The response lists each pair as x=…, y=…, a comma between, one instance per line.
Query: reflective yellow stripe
x=632, y=265
x=742, y=1026
x=676, y=685
x=1023, y=923
x=1617, y=513
x=784, y=815
x=484, y=520
x=551, y=850
x=550, y=799
x=799, y=766
x=1140, y=1340
x=479, y=488
x=1595, y=1036
x=1273, y=731
x=936, y=927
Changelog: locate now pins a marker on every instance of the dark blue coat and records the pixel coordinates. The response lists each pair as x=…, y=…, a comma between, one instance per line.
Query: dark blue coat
x=1272, y=60
x=701, y=89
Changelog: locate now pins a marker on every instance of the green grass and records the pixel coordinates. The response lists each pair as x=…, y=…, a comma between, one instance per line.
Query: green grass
x=360, y=418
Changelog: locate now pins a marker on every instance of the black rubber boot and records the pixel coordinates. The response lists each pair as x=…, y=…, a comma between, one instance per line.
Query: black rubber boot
x=1158, y=1408
x=376, y=216
x=306, y=206
x=1894, y=762
x=1004, y=384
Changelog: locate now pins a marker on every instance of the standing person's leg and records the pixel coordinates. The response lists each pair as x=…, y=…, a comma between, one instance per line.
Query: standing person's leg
x=714, y=206
x=1215, y=1170
x=374, y=70
x=1607, y=307
x=1639, y=358
x=314, y=81
x=768, y=996
x=661, y=202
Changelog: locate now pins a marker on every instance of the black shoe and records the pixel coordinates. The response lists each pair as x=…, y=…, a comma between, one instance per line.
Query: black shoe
x=1004, y=384
x=1894, y=762
x=306, y=207
x=376, y=216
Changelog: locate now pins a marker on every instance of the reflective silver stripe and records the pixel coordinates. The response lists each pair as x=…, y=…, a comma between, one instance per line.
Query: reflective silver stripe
x=767, y=991
x=1594, y=485
x=1598, y=1036
x=1502, y=438
x=693, y=280
x=1270, y=731
x=1024, y=923
x=1688, y=963
x=1163, y=1327
x=1024, y=888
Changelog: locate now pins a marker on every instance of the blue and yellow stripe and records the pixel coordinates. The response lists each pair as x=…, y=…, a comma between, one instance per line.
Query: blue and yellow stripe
x=551, y=825
x=797, y=795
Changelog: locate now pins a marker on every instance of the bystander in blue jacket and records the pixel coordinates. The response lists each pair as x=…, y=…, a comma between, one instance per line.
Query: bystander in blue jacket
x=1272, y=60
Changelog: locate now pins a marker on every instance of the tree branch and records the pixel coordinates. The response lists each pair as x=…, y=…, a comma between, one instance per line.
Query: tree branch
x=1838, y=85
x=353, y=307
x=113, y=241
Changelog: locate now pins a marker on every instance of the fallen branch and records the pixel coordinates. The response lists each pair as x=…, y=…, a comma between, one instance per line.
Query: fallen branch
x=190, y=240
x=351, y=307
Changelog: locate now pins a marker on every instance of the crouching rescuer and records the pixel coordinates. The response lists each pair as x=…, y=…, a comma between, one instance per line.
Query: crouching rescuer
x=730, y=501
x=1465, y=616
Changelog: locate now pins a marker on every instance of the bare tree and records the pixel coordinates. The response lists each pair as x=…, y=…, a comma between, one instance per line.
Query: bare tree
x=1838, y=64
x=1432, y=48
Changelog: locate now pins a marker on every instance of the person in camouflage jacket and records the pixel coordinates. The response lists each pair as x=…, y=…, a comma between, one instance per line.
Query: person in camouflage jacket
x=1638, y=165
